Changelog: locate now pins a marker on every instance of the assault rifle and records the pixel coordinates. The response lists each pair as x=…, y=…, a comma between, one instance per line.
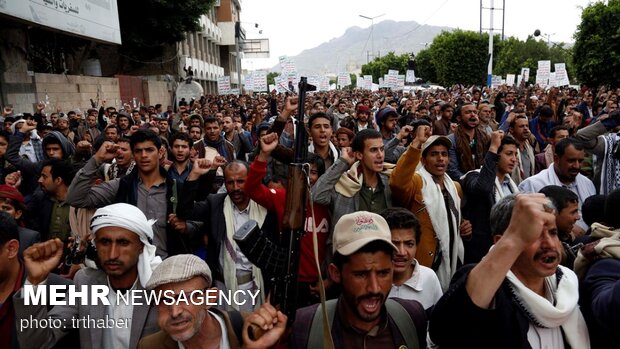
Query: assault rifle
x=280, y=259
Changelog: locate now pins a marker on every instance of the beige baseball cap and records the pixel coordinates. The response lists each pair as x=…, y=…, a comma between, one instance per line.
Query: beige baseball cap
x=355, y=230
x=435, y=139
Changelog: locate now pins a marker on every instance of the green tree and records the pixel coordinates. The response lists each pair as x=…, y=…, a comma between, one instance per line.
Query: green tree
x=271, y=78
x=424, y=66
x=596, y=53
x=460, y=57
x=353, y=80
x=380, y=65
x=149, y=26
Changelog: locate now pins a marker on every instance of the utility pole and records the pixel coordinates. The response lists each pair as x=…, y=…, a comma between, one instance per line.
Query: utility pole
x=372, y=34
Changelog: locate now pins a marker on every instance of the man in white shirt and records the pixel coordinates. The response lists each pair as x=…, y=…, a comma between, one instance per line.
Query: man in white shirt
x=411, y=280
x=564, y=172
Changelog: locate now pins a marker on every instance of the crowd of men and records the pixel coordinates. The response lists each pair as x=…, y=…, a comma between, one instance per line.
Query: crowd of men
x=460, y=217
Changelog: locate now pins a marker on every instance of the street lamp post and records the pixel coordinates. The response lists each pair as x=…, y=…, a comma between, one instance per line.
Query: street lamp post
x=548, y=36
x=372, y=35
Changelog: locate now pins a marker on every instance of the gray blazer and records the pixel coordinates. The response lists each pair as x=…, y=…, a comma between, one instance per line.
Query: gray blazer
x=143, y=322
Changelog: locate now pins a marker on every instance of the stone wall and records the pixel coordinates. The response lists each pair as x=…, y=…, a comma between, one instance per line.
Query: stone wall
x=75, y=91
x=157, y=92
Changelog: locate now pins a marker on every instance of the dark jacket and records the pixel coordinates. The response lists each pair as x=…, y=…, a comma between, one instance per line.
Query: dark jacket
x=456, y=322
x=211, y=212
x=479, y=189
x=128, y=193
x=600, y=302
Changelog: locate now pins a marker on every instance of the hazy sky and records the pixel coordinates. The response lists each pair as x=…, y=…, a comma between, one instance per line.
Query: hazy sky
x=293, y=25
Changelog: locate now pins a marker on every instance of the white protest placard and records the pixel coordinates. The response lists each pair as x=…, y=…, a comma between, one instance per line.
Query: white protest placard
x=410, y=76
x=223, y=85
x=496, y=80
x=400, y=83
x=392, y=72
x=381, y=84
x=324, y=84
x=259, y=80
x=272, y=87
x=367, y=82
x=542, y=73
x=552, y=80
x=315, y=81
x=281, y=83
x=510, y=79
x=249, y=81
x=524, y=76
x=344, y=79
x=561, y=75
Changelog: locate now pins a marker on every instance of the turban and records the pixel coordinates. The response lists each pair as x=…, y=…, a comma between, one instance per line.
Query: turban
x=131, y=218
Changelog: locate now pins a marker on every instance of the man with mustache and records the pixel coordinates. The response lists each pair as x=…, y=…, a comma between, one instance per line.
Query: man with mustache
x=518, y=296
x=126, y=259
x=223, y=214
x=565, y=172
x=363, y=317
x=469, y=143
x=193, y=324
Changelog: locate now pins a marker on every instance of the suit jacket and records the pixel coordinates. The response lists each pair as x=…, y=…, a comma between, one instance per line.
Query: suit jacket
x=143, y=322
x=27, y=238
x=162, y=340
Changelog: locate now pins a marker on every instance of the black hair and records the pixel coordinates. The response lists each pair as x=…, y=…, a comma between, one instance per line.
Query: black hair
x=507, y=140
x=8, y=228
x=318, y=161
x=60, y=168
x=557, y=128
x=235, y=163
x=318, y=115
x=372, y=247
x=612, y=202
x=402, y=218
x=4, y=134
x=360, y=138
x=593, y=209
x=560, y=196
x=183, y=137
x=211, y=119
x=560, y=147
x=145, y=136
x=545, y=111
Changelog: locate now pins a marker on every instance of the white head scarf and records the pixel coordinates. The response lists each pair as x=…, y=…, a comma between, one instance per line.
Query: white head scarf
x=131, y=218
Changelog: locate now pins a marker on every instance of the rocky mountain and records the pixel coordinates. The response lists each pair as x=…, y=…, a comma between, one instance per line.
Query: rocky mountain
x=354, y=48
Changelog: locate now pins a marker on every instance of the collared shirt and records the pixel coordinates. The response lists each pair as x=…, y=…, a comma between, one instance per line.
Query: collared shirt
x=118, y=337
x=59, y=221
x=506, y=185
x=241, y=217
x=372, y=199
x=423, y=286
x=153, y=203
x=27, y=151
x=379, y=336
x=180, y=177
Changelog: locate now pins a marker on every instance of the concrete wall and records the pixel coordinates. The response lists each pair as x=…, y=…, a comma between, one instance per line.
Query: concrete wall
x=74, y=91
x=156, y=92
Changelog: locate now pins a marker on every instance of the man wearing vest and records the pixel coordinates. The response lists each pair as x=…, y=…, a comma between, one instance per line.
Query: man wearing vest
x=363, y=316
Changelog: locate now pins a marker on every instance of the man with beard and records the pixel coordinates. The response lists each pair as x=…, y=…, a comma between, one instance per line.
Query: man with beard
x=52, y=209
x=63, y=127
x=518, y=296
x=193, y=325
x=111, y=133
x=520, y=130
x=214, y=144
x=181, y=166
x=223, y=214
x=195, y=133
x=387, y=119
x=125, y=122
x=121, y=165
x=485, y=187
x=565, y=172
x=487, y=121
x=363, y=316
x=362, y=120
x=126, y=257
x=238, y=140
x=469, y=143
